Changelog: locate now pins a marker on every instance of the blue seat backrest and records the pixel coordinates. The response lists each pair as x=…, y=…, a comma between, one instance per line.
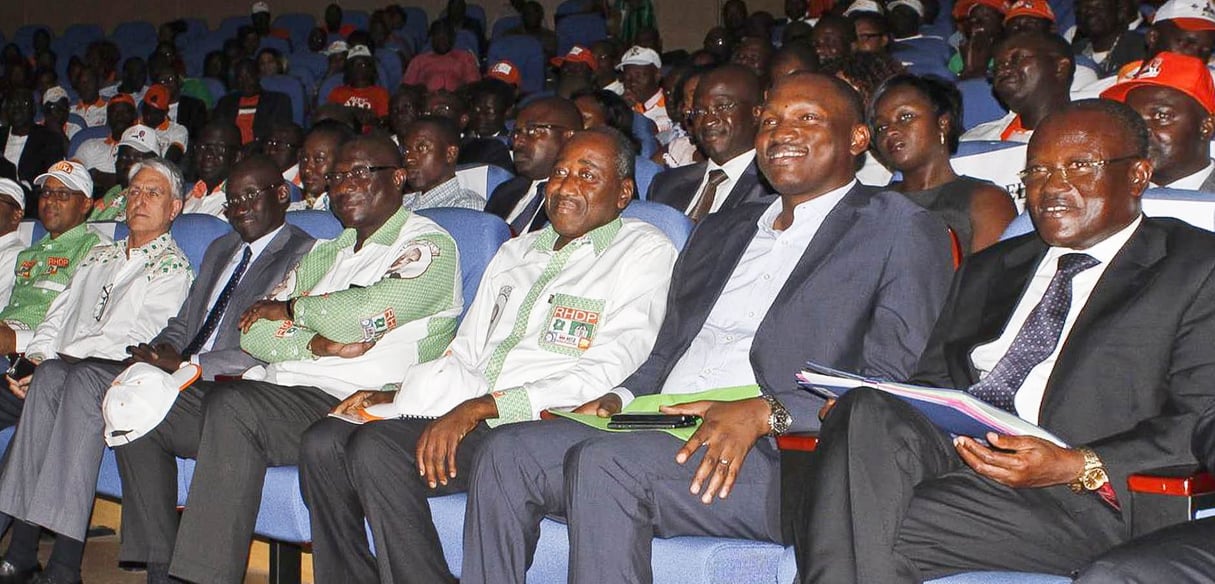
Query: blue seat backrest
x=570, y=7
x=674, y=224
x=473, y=11
x=979, y=104
x=228, y=26
x=579, y=29
x=318, y=224
x=195, y=27
x=358, y=18
x=467, y=40
x=84, y=135
x=315, y=63
x=194, y=233
x=292, y=88
x=482, y=178
x=526, y=53
x=215, y=87
x=390, y=63
x=929, y=49
x=505, y=23
x=24, y=37
x=82, y=34
x=327, y=86
x=298, y=25
x=416, y=24
x=644, y=175
x=478, y=236
x=283, y=46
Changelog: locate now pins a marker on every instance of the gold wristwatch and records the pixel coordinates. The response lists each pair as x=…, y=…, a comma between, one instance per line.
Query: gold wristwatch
x=779, y=419
x=1093, y=476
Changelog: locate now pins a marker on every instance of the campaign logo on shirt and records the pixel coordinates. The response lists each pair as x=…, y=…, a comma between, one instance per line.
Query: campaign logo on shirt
x=572, y=324
x=414, y=260
x=359, y=102
x=376, y=327
x=53, y=264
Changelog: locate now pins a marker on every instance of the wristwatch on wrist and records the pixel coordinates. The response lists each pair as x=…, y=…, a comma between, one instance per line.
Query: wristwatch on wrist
x=1093, y=476
x=779, y=419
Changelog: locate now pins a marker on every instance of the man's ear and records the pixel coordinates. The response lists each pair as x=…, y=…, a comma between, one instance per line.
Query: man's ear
x=452, y=154
x=1140, y=175
x=860, y=139
x=628, y=190
x=282, y=193
x=1207, y=128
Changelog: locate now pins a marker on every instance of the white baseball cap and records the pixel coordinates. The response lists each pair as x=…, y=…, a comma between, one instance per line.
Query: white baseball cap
x=1187, y=14
x=259, y=7
x=71, y=173
x=358, y=51
x=337, y=47
x=915, y=5
x=640, y=56
x=864, y=6
x=14, y=190
x=140, y=397
x=141, y=138
x=54, y=94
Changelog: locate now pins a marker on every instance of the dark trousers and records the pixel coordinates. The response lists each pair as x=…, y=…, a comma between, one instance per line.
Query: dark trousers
x=350, y=472
x=235, y=430
x=1181, y=554
x=618, y=492
x=891, y=501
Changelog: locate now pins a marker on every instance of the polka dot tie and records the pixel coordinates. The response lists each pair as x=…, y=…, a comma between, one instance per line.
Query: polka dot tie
x=1037, y=338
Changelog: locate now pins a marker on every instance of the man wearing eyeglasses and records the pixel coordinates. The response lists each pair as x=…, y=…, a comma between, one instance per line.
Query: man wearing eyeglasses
x=725, y=124
x=356, y=313
x=217, y=149
x=1097, y=327
x=431, y=148
x=123, y=293
x=283, y=147
x=541, y=130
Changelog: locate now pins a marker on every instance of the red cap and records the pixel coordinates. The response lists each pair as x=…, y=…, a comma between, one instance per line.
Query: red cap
x=1033, y=8
x=157, y=97
x=122, y=98
x=578, y=54
x=504, y=71
x=962, y=9
x=1183, y=73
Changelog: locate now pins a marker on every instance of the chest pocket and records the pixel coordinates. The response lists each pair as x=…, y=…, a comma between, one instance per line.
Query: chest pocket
x=571, y=324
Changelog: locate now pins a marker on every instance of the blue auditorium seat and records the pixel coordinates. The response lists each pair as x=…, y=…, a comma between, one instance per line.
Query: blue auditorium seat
x=390, y=62
x=526, y=54
x=86, y=134
x=979, y=104
x=505, y=23
x=644, y=175
x=83, y=34
x=24, y=37
x=292, y=88
x=674, y=224
x=357, y=18
x=194, y=233
x=318, y=224
x=482, y=178
x=298, y=25
x=478, y=236
x=283, y=46
x=579, y=29
x=228, y=26
x=416, y=24
x=647, y=133
x=315, y=63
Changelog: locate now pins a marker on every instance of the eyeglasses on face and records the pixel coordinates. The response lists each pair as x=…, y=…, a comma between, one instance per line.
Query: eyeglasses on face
x=249, y=197
x=1076, y=170
x=359, y=174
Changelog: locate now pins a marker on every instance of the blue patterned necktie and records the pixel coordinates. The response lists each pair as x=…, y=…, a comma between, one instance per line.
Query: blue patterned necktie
x=524, y=222
x=1037, y=338
x=221, y=304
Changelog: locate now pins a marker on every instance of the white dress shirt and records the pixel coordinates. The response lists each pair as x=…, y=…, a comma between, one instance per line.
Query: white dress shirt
x=655, y=108
x=582, y=323
x=113, y=301
x=257, y=247
x=735, y=167
x=532, y=192
x=13, y=147
x=994, y=130
x=209, y=203
x=1192, y=182
x=720, y=355
x=10, y=246
x=984, y=357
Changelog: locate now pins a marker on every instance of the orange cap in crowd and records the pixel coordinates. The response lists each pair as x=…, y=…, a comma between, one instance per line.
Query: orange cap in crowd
x=962, y=9
x=122, y=98
x=1183, y=73
x=578, y=54
x=1033, y=8
x=157, y=97
x=504, y=71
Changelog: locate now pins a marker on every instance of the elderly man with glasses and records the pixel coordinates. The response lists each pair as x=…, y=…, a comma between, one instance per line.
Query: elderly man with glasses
x=122, y=293
x=357, y=312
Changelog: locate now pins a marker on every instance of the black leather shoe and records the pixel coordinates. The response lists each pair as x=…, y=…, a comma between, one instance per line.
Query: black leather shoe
x=11, y=575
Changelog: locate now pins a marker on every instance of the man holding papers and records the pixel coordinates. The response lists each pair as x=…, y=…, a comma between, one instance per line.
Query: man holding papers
x=1098, y=328
x=833, y=271
x=562, y=315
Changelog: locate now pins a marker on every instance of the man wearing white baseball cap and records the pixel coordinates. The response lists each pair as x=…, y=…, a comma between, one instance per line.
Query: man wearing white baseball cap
x=139, y=142
x=905, y=17
x=12, y=211
x=641, y=70
x=56, y=113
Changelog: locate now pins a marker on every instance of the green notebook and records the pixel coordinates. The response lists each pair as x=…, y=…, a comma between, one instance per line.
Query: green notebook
x=649, y=404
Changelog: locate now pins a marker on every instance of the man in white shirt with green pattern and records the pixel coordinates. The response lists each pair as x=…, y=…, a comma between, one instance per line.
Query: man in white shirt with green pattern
x=561, y=314
x=358, y=311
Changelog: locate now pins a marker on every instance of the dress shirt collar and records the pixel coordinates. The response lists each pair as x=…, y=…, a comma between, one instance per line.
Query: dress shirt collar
x=162, y=241
x=260, y=244
x=654, y=101
x=734, y=167
x=809, y=212
x=385, y=235
x=1105, y=250
x=600, y=237
x=10, y=237
x=68, y=236
x=1192, y=182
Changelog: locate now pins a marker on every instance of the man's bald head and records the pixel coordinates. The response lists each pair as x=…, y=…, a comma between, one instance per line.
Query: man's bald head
x=556, y=111
x=541, y=130
x=841, y=93
x=379, y=149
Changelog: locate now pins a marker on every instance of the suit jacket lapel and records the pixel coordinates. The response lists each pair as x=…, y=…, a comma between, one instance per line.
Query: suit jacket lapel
x=716, y=267
x=833, y=229
x=743, y=189
x=1126, y=277
x=686, y=188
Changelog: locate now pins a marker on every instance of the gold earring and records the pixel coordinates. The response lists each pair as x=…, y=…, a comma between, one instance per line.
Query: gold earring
x=942, y=138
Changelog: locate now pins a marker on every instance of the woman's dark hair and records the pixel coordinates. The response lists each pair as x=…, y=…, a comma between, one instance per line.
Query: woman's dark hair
x=617, y=112
x=945, y=98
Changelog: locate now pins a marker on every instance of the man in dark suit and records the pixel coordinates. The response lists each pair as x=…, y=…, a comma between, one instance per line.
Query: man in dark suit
x=188, y=111
x=1181, y=554
x=253, y=110
x=541, y=129
x=1098, y=328
x=39, y=146
x=755, y=294
x=59, y=445
x=724, y=121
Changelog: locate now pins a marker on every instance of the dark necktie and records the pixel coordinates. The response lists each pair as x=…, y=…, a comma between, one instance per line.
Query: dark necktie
x=1037, y=338
x=534, y=209
x=704, y=205
x=221, y=304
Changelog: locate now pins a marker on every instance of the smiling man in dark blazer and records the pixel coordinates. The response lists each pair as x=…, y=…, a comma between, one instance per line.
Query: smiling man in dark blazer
x=1098, y=327
x=724, y=121
x=832, y=271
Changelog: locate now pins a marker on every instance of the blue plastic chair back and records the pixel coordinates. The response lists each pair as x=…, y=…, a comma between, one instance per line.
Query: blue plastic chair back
x=1021, y=225
x=647, y=133
x=526, y=53
x=195, y=27
x=228, y=26
x=644, y=175
x=936, y=69
x=357, y=18
x=318, y=224
x=473, y=11
x=674, y=224
x=416, y=24
x=291, y=87
x=84, y=135
x=194, y=233
x=80, y=35
x=327, y=86
x=979, y=104
x=478, y=236
x=923, y=49
x=482, y=178
x=215, y=87
x=24, y=37
x=579, y=29
x=298, y=25
x=570, y=7
x=280, y=45
x=305, y=77
x=390, y=64
x=467, y=40
x=504, y=24
x=316, y=63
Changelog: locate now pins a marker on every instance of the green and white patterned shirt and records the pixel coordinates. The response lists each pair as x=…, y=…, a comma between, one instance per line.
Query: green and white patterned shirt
x=42, y=271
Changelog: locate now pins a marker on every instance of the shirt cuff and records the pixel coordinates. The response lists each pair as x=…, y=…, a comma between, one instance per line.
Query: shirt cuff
x=22, y=339
x=194, y=360
x=624, y=394
x=514, y=405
